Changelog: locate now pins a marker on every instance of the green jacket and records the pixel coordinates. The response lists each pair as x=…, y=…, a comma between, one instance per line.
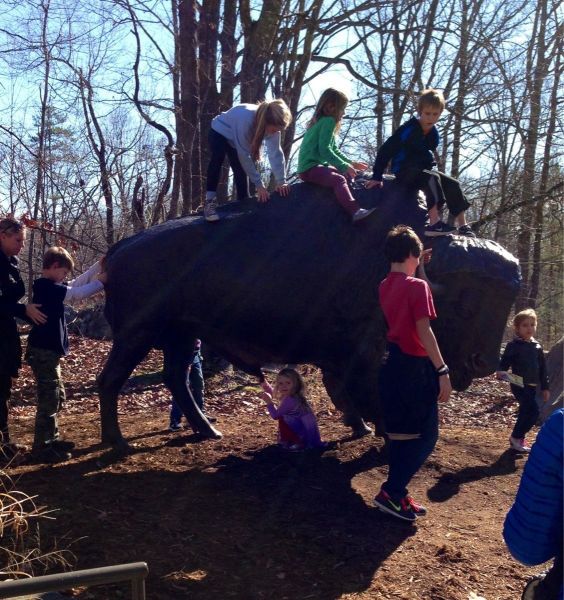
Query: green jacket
x=319, y=147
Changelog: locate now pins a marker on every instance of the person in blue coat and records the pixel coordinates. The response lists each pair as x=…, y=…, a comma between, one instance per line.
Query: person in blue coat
x=533, y=526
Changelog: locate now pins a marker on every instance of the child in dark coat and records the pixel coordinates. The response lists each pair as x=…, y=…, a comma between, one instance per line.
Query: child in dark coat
x=525, y=357
x=48, y=343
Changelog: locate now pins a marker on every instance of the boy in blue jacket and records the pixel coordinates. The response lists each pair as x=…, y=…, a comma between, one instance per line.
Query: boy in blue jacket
x=410, y=150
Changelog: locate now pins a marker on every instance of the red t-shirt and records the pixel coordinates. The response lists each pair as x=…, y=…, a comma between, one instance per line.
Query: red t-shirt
x=405, y=300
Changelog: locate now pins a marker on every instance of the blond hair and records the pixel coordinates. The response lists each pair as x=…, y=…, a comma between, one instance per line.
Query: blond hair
x=298, y=387
x=273, y=112
x=431, y=97
x=58, y=255
x=332, y=103
x=528, y=313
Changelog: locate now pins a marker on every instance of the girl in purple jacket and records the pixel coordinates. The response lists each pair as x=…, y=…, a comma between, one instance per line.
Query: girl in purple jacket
x=297, y=425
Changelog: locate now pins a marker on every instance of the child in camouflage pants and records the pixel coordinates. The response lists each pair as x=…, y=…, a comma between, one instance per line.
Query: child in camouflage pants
x=48, y=343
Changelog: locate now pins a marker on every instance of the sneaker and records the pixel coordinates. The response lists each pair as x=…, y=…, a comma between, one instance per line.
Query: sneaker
x=438, y=229
x=362, y=213
x=418, y=509
x=466, y=230
x=63, y=445
x=210, y=211
x=519, y=445
x=401, y=510
x=175, y=427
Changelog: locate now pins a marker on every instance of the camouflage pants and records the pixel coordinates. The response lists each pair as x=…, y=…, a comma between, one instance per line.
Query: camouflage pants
x=50, y=394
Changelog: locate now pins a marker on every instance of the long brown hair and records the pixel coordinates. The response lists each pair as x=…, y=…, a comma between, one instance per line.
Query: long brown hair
x=274, y=112
x=298, y=385
x=332, y=103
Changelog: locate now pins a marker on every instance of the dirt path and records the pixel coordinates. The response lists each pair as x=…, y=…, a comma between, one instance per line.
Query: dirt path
x=238, y=518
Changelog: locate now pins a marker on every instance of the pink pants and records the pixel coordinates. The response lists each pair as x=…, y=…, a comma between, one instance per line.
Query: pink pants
x=331, y=178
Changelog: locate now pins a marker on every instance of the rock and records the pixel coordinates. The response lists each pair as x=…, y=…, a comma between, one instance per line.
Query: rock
x=89, y=322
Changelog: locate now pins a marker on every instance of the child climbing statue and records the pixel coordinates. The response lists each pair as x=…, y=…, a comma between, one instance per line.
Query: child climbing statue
x=321, y=162
x=239, y=133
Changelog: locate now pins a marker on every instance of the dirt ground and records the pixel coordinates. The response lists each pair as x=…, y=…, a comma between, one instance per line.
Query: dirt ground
x=240, y=518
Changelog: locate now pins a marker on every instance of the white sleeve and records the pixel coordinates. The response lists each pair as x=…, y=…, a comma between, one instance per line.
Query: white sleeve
x=87, y=276
x=276, y=157
x=83, y=291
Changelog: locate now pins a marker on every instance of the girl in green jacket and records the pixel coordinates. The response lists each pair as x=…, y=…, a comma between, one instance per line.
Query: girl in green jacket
x=321, y=162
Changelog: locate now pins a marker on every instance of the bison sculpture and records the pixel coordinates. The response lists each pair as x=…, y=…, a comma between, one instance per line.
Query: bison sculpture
x=293, y=281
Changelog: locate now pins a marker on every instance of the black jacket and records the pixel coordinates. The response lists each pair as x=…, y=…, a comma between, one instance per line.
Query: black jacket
x=407, y=148
x=527, y=360
x=12, y=289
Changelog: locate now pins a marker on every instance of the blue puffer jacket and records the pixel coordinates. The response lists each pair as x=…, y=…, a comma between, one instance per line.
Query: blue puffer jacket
x=533, y=526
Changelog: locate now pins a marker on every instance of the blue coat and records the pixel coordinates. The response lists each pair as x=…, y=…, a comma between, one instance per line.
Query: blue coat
x=533, y=526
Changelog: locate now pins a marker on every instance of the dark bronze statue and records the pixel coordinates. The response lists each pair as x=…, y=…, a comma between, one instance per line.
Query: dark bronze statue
x=292, y=281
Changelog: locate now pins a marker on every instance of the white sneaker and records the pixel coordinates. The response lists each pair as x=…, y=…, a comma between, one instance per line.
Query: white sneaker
x=362, y=213
x=519, y=445
x=210, y=211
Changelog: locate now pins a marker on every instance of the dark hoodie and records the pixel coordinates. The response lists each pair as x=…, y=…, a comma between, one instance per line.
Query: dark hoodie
x=526, y=359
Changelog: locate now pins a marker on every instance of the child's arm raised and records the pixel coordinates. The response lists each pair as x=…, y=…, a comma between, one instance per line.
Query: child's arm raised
x=85, y=285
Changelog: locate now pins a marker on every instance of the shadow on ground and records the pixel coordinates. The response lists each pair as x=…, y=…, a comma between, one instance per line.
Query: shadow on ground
x=448, y=484
x=262, y=525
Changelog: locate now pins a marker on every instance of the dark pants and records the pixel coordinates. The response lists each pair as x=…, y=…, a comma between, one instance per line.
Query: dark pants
x=46, y=368
x=528, y=410
x=195, y=380
x=331, y=178
x=5, y=390
x=439, y=189
x=409, y=388
x=219, y=148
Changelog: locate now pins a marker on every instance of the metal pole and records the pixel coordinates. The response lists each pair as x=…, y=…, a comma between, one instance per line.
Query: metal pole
x=134, y=572
x=138, y=589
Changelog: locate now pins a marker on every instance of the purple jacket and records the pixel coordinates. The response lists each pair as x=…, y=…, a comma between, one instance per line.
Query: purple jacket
x=300, y=420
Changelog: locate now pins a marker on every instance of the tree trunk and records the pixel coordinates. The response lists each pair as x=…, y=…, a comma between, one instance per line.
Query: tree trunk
x=260, y=40
x=189, y=93
x=44, y=93
x=177, y=171
x=537, y=73
x=138, y=206
x=539, y=213
x=209, y=98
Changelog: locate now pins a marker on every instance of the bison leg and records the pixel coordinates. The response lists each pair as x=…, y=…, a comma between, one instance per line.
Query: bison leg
x=124, y=356
x=178, y=355
x=336, y=388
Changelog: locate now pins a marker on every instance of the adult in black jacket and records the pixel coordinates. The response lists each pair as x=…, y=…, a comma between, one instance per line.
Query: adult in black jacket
x=12, y=289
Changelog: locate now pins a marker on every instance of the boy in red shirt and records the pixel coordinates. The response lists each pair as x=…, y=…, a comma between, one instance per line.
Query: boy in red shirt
x=414, y=376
